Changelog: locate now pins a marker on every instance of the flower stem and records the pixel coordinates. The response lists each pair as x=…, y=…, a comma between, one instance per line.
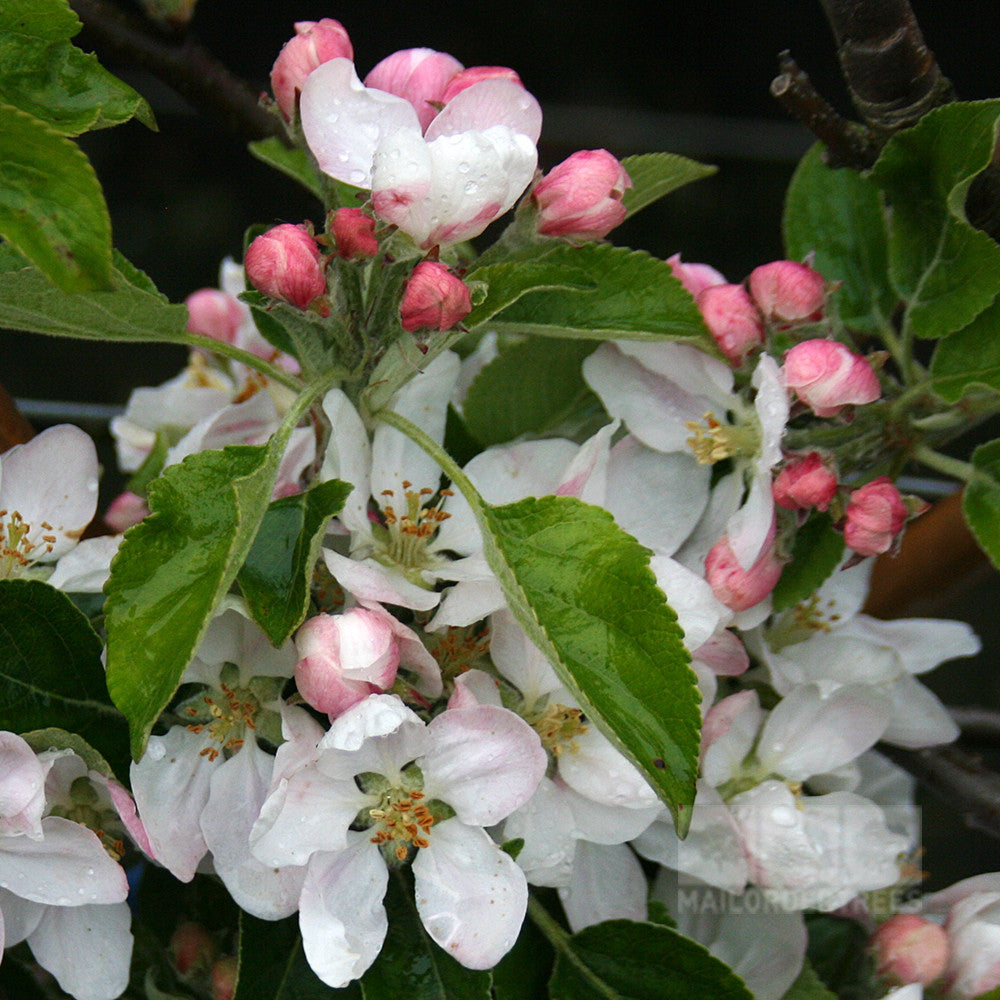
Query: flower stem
x=953, y=467
x=545, y=922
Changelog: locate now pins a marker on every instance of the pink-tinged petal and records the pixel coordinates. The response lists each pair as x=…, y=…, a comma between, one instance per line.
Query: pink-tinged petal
x=724, y=654
x=608, y=884
x=471, y=896
x=484, y=762
x=488, y=103
x=68, y=867
x=414, y=656
x=51, y=479
x=694, y=277
x=125, y=807
x=343, y=121
x=474, y=687
x=371, y=582
x=728, y=735
x=87, y=948
x=22, y=788
x=170, y=784
x=511, y=472
x=341, y=915
x=238, y=423
x=238, y=790
x=379, y=715
x=420, y=76
x=586, y=476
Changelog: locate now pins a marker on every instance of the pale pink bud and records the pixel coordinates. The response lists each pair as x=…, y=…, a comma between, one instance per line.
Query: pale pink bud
x=193, y=948
x=740, y=588
x=345, y=658
x=876, y=514
x=223, y=978
x=694, y=277
x=214, y=313
x=788, y=292
x=724, y=654
x=804, y=482
x=286, y=264
x=732, y=319
x=910, y=949
x=581, y=198
x=354, y=231
x=125, y=510
x=22, y=788
x=826, y=375
x=314, y=43
x=475, y=74
x=434, y=298
x=419, y=76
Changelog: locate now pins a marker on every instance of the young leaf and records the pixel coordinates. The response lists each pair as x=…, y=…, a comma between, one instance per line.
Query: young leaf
x=51, y=204
x=632, y=295
x=947, y=271
x=174, y=567
x=292, y=162
x=623, y=960
x=277, y=574
x=410, y=964
x=969, y=358
x=654, y=175
x=51, y=673
x=583, y=591
x=816, y=553
x=529, y=388
x=808, y=986
x=839, y=216
x=272, y=965
x=981, y=499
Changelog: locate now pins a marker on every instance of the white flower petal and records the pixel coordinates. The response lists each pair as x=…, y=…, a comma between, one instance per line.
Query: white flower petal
x=607, y=884
x=488, y=103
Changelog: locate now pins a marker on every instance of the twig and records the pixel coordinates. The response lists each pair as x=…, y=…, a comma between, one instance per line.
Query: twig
x=14, y=428
x=847, y=143
x=183, y=65
x=981, y=725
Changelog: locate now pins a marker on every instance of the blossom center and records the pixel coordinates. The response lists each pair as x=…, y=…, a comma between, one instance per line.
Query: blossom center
x=401, y=819
x=801, y=622
x=405, y=533
x=558, y=728
x=228, y=714
x=17, y=550
x=85, y=808
x=713, y=441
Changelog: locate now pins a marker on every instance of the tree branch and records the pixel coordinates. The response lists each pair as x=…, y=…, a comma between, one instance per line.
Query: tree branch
x=185, y=66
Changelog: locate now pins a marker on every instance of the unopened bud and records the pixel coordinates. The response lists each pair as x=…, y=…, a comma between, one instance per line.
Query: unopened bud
x=805, y=482
x=419, y=76
x=732, y=319
x=434, y=298
x=214, y=313
x=476, y=74
x=193, y=949
x=354, y=232
x=581, y=198
x=826, y=376
x=694, y=277
x=314, y=43
x=910, y=949
x=223, y=978
x=125, y=510
x=788, y=292
x=876, y=513
x=286, y=264
x=740, y=588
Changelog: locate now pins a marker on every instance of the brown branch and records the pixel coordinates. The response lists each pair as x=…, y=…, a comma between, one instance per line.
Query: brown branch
x=185, y=66
x=14, y=429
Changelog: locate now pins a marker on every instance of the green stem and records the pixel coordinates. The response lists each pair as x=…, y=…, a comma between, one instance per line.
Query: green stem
x=953, y=467
x=303, y=402
x=544, y=921
x=265, y=368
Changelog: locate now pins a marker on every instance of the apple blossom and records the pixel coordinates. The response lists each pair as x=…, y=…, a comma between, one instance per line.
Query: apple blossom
x=434, y=298
x=313, y=43
x=286, y=264
x=804, y=482
x=474, y=74
x=875, y=517
x=740, y=588
x=908, y=948
x=214, y=313
x=354, y=232
x=732, y=319
x=828, y=376
x=419, y=76
x=787, y=292
x=581, y=198
x=694, y=277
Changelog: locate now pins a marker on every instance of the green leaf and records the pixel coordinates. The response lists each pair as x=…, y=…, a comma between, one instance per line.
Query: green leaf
x=816, y=553
x=51, y=673
x=622, y=960
x=410, y=964
x=946, y=271
x=993, y=994
x=654, y=175
x=52, y=20
x=174, y=567
x=54, y=738
x=530, y=388
x=291, y=161
x=272, y=965
x=839, y=216
x=981, y=499
x=319, y=343
x=51, y=204
x=808, y=986
x=969, y=358
x=631, y=295
x=276, y=577
x=131, y=311
x=838, y=953
x=523, y=973
x=583, y=591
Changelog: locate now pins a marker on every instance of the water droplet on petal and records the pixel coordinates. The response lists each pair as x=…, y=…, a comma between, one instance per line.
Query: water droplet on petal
x=156, y=751
x=471, y=187
x=463, y=167
x=343, y=157
x=357, y=177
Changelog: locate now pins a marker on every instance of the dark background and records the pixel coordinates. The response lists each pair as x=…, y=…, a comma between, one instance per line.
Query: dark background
x=632, y=77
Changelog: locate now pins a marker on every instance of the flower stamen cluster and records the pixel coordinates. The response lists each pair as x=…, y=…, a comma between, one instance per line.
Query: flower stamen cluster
x=17, y=550
x=713, y=441
x=229, y=720
x=558, y=727
x=408, y=533
x=402, y=819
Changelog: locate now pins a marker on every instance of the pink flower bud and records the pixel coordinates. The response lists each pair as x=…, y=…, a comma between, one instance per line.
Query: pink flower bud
x=732, y=319
x=740, y=588
x=419, y=76
x=474, y=74
x=223, y=978
x=314, y=43
x=804, y=482
x=125, y=510
x=286, y=264
x=345, y=658
x=826, y=376
x=910, y=949
x=434, y=298
x=581, y=198
x=694, y=277
x=354, y=231
x=788, y=292
x=193, y=948
x=876, y=514
x=214, y=313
